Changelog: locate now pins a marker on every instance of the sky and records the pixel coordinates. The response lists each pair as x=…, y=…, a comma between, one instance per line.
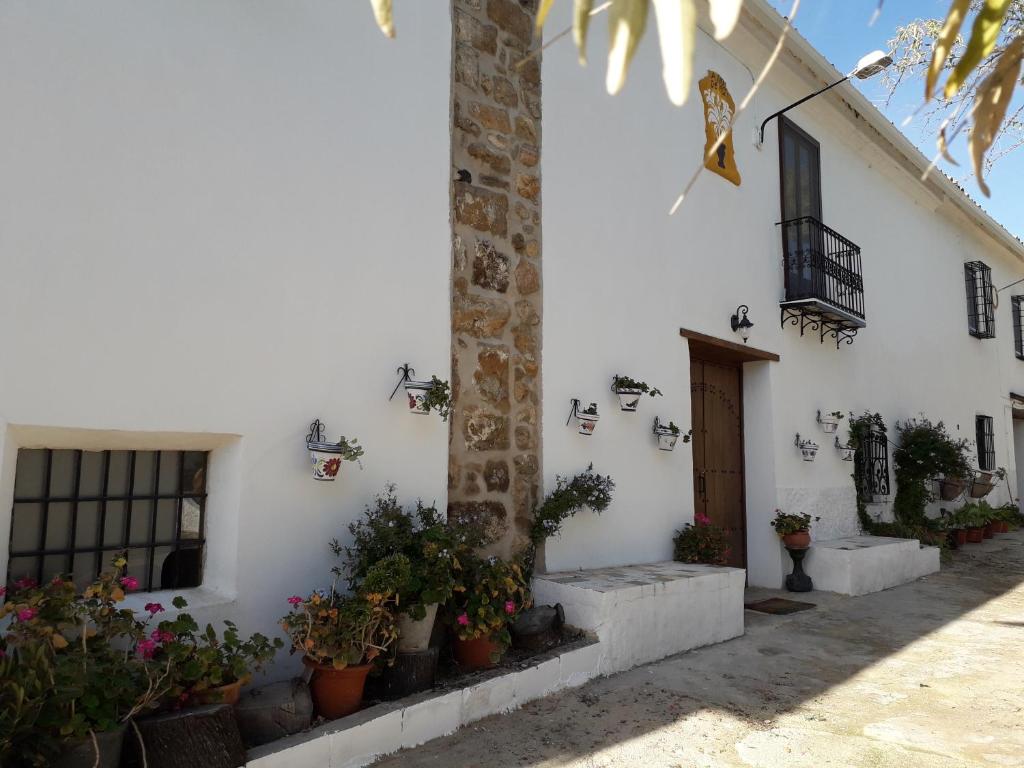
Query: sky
x=840, y=30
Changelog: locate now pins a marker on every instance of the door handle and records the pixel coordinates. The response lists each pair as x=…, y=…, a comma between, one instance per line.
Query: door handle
x=702, y=487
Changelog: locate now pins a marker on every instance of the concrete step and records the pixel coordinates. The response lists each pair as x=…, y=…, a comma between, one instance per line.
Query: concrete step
x=859, y=565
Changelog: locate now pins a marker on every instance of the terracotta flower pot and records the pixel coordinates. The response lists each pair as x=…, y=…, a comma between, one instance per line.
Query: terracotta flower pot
x=975, y=534
x=1004, y=526
x=222, y=694
x=950, y=488
x=988, y=530
x=960, y=534
x=476, y=654
x=798, y=540
x=336, y=692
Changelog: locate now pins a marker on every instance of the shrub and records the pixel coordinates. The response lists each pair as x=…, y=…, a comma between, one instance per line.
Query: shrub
x=926, y=450
x=587, y=489
x=487, y=599
x=700, y=542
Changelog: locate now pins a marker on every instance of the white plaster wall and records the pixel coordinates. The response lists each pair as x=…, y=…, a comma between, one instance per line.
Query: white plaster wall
x=228, y=218
x=646, y=274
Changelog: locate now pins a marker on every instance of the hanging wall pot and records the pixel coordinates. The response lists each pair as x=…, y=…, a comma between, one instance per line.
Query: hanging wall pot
x=669, y=435
x=808, y=448
x=326, y=457
x=423, y=396
x=845, y=451
x=630, y=391
x=416, y=393
x=586, y=418
x=829, y=421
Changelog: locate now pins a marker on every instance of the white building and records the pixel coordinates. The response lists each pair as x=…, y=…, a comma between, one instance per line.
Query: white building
x=218, y=223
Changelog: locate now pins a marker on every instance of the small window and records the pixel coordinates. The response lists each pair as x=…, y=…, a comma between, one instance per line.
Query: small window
x=1016, y=308
x=986, y=442
x=75, y=510
x=980, y=312
x=875, y=464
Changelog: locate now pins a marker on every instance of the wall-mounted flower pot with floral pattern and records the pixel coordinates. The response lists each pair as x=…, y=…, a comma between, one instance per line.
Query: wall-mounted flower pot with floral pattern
x=845, y=451
x=326, y=457
x=587, y=419
x=668, y=435
x=630, y=391
x=416, y=393
x=829, y=421
x=808, y=448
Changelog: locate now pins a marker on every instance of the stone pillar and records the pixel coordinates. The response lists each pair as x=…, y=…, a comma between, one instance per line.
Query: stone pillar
x=494, y=463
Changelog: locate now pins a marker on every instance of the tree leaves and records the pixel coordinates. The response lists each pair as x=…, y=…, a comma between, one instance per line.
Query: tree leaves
x=382, y=12
x=724, y=15
x=627, y=20
x=990, y=105
x=580, y=24
x=984, y=35
x=944, y=43
x=677, y=29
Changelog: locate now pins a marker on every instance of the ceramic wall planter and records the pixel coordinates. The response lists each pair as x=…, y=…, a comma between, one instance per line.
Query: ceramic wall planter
x=667, y=440
x=413, y=634
x=845, y=451
x=808, y=448
x=586, y=418
x=629, y=399
x=416, y=395
x=326, y=460
x=950, y=488
x=829, y=422
x=336, y=692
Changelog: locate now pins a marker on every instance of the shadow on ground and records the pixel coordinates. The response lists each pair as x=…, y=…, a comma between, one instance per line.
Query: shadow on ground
x=927, y=674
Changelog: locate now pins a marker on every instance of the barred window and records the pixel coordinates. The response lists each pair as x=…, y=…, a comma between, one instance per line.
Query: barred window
x=75, y=510
x=1016, y=308
x=986, y=443
x=980, y=311
x=875, y=463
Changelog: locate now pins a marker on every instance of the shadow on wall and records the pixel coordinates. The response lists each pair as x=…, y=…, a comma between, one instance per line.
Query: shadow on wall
x=782, y=664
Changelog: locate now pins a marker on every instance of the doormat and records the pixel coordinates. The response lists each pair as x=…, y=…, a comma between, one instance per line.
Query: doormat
x=779, y=606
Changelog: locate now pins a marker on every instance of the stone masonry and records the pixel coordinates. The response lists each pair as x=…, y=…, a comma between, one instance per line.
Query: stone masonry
x=494, y=464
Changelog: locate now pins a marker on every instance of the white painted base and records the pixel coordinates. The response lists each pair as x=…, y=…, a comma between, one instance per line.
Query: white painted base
x=642, y=613
x=859, y=565
x=359, y=739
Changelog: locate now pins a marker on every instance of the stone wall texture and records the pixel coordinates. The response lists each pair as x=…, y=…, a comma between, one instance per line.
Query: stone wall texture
x=494, y=464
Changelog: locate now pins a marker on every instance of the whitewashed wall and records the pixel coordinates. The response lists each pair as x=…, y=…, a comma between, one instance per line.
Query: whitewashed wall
x=220, y=221
x=622, y=277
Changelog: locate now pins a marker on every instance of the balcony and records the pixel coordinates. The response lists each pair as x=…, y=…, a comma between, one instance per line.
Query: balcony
x=824, y=287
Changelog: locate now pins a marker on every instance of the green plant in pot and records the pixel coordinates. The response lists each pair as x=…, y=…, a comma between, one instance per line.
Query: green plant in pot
x=425, y=540
x=701, y=542
x=794, y=530
x=340, y=637
x=208, y=668
x=438, y=398
x=94, y=657
x=630, y=390
x=488, y=597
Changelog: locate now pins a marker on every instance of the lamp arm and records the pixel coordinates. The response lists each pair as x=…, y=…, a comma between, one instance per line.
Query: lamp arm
x=797, y=104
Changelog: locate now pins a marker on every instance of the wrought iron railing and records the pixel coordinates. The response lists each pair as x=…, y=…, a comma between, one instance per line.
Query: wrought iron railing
x=820, y=264
x=872, y=462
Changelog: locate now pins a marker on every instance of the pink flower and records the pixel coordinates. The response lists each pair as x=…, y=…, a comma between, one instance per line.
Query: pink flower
x=295, y=600
x=510, y=607
x=162, y=636
x=57, y=581
x=3, y=591
x=463, y=620
x=701, y=519
x=154, y=608
x=129, y=582
x=3, y=653
x=145, y=649
x=25, y=583
x=26, y=614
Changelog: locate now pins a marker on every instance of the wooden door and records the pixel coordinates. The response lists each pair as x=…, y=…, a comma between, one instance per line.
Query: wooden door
x=717, y=403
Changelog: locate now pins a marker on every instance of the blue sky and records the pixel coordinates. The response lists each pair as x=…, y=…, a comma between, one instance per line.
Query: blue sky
x=840, y=30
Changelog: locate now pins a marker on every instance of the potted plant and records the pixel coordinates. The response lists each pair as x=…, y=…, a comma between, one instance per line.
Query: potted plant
x=951, y=487
x=488, y=597
x=340, y=637
x=327, y=456
x=794, y=530
x=955, y=533
x=94, y=659
x=430, y=546
x=587, y=418
x=701, y=542
x=630, y=391
x=808, y=448
x=972, y=519
x=669, y=435
x=846, y=452
x=830, y=421
x=208, y=669
x=426, y=396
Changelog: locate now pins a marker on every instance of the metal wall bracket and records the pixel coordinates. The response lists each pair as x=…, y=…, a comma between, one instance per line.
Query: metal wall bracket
x=406, y=373
x=815, y=320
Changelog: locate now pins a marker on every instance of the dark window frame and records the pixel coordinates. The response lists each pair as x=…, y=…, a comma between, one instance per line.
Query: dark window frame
x=799, y=134
x=984, y=432
x=1017, y=309
x=143, y=502
x=981, y=320
x=874, y=459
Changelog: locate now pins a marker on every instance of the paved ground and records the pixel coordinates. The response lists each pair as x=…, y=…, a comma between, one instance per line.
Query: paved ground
x=930, y=674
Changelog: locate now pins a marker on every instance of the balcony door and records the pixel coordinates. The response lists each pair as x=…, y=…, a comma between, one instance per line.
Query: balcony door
x=716, y=397
x=800, y=170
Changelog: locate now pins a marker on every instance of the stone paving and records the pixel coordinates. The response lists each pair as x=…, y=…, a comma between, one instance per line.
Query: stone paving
x=927, y=675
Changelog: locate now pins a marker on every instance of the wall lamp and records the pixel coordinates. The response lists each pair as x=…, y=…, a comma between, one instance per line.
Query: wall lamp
x=741, y=323
x=868, y=66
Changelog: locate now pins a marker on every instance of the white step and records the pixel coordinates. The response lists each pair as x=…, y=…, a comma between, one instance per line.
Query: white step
x=859, y=565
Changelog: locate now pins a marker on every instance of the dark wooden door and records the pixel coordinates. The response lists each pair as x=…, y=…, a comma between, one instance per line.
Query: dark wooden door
x=717, y=403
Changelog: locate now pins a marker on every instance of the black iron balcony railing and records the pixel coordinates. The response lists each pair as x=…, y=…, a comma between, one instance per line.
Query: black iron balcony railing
x=824, y=287
x=822, y=267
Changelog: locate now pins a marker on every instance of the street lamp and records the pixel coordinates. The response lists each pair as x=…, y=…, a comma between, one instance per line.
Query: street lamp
x=869, y=66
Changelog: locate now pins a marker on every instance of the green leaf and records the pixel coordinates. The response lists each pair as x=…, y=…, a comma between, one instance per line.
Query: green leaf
x=542, y=12
x=984, y=35
x=179, y=602
x=627, y=21
x=944, y=43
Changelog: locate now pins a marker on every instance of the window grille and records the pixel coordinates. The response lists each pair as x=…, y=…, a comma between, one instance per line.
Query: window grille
x=986, y=442
x=980, y=311
x=75, y=510
x=1016, y=308
x=875, y=464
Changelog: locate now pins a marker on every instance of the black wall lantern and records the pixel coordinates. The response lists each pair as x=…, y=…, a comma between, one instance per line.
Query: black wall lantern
x=741, y=323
